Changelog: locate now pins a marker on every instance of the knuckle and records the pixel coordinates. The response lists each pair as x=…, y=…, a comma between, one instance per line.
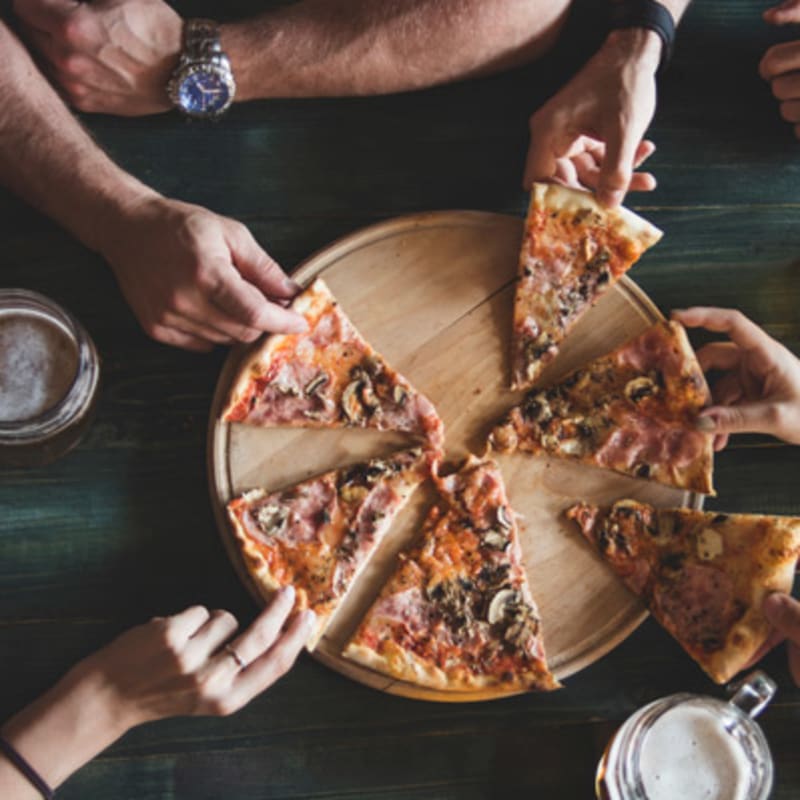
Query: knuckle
x=73, y=28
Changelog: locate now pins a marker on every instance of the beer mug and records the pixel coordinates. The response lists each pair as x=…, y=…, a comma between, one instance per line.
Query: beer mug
x=691, y=746
x=50, y=370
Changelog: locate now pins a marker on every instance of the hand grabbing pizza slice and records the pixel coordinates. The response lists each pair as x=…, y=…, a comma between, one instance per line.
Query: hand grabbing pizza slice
x=573, y=251
x=328, y=376
x=319, y=534
x=634, y=411
x=702, y=575
x=457, y=614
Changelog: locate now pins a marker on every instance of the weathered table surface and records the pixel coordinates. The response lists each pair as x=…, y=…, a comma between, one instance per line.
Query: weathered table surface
x=114, y=533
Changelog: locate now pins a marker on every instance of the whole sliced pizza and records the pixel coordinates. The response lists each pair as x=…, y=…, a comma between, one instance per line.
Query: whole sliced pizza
x=573, y=251
x=703, y=575
x=328, y=376
x=458, y=613
x=633, y=411
x=319, y=534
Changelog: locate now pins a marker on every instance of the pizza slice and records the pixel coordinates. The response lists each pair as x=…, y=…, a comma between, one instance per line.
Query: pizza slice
x=318, y=535
x=703, y=575
x=328, y=376
x=573, y=251
x=457, y=614
x=633, y=411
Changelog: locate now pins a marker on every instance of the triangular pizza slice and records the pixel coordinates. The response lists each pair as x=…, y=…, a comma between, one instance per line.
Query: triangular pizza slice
x=327, y=377
x=458, y=615
x=634, y=411
x=319, y=534
x=573, y=251
x=703, y=575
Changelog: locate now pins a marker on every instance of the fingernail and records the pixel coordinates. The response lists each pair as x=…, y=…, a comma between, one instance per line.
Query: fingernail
x=705, y=424
x=287, y=593
x=292, y=286
x=774, y=605
x=309, y=618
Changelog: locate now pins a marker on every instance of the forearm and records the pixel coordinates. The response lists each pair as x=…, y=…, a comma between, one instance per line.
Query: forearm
x=61, y=731
x=343, y=47
x=48, y=159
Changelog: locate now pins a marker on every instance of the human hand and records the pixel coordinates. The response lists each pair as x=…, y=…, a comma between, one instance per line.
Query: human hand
x=781, y=62
x=176, y=666
x=783, y=613
x=108, y=56
x=590, y=134
x=195, y=279
x=760, y=390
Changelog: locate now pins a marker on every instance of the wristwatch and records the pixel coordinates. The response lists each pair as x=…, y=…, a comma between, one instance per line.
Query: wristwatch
x=648, y=14
x=202, y=85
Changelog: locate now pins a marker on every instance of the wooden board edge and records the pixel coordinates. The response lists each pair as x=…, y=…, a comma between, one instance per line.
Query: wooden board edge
x=221, y=491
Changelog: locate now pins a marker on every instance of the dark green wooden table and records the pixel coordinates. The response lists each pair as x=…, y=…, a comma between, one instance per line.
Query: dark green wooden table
x=118, y=531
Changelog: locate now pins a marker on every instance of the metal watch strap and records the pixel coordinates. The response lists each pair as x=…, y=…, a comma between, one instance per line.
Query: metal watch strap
x=646, y=14
x=200, y=39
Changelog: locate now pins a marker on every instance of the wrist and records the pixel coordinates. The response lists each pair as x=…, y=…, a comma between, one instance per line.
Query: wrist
x=67, y=726
x=116, y=217
x=232, y=36
x=638, y=44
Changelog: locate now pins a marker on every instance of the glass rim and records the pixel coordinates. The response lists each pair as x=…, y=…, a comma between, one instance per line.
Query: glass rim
x=78, y=396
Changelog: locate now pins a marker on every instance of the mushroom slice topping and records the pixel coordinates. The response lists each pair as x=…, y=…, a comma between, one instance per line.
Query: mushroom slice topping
x=316, y=383
x=503, y=517
x=351, y=404
x=501, y=604
x=272, y=519
x=639, y=388
x=494, y=539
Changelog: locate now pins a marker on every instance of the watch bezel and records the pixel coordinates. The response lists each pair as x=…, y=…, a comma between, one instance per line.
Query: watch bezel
x=213, y=67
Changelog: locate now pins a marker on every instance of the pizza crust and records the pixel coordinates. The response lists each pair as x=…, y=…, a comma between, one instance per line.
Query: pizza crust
x=310, y=303
x=562, y=199
x=267, y=584
x=404, y=665
x=750, y=555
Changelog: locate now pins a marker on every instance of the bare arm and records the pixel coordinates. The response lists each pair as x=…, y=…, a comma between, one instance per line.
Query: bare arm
x=193, y=278
x=337, y=47
x=591, y=133
x=116, y=56
x=170, y=666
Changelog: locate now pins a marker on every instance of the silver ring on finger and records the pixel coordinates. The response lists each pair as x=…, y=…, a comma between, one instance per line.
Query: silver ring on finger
x=231, y=651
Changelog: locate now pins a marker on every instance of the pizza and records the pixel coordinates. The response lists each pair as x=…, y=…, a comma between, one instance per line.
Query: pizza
x=458, y=615
x=703, y=575
x=573, y=251
x=328, y=376
x=633, y=411
x=318, y=535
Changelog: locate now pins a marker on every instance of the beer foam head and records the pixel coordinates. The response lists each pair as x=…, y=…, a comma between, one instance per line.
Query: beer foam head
x=38, y=363
x=689, y=754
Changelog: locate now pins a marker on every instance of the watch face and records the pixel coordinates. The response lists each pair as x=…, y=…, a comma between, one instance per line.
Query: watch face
x=203, y=93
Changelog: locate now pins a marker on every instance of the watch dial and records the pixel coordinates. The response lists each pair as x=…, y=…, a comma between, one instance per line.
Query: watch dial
x=203, y=93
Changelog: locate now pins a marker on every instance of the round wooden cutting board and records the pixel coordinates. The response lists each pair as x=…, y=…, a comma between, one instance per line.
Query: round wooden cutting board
x=434, y=293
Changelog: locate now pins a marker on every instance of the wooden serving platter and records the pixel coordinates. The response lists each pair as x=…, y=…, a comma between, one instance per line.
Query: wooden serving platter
x=433, y=293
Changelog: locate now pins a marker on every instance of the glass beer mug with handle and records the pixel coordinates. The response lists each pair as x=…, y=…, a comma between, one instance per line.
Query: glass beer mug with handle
x=691, y=746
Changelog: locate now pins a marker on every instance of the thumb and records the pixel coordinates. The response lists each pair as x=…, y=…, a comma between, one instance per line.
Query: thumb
x=783, y=613
x=784, y=13
x=617, y=168
x=741, y=418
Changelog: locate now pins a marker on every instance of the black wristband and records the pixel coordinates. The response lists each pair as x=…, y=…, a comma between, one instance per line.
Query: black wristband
x=33, y=777
x=646, y=14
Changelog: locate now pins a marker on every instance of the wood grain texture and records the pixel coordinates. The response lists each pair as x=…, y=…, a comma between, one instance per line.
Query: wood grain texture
x=120, y=530
x=434, y=293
